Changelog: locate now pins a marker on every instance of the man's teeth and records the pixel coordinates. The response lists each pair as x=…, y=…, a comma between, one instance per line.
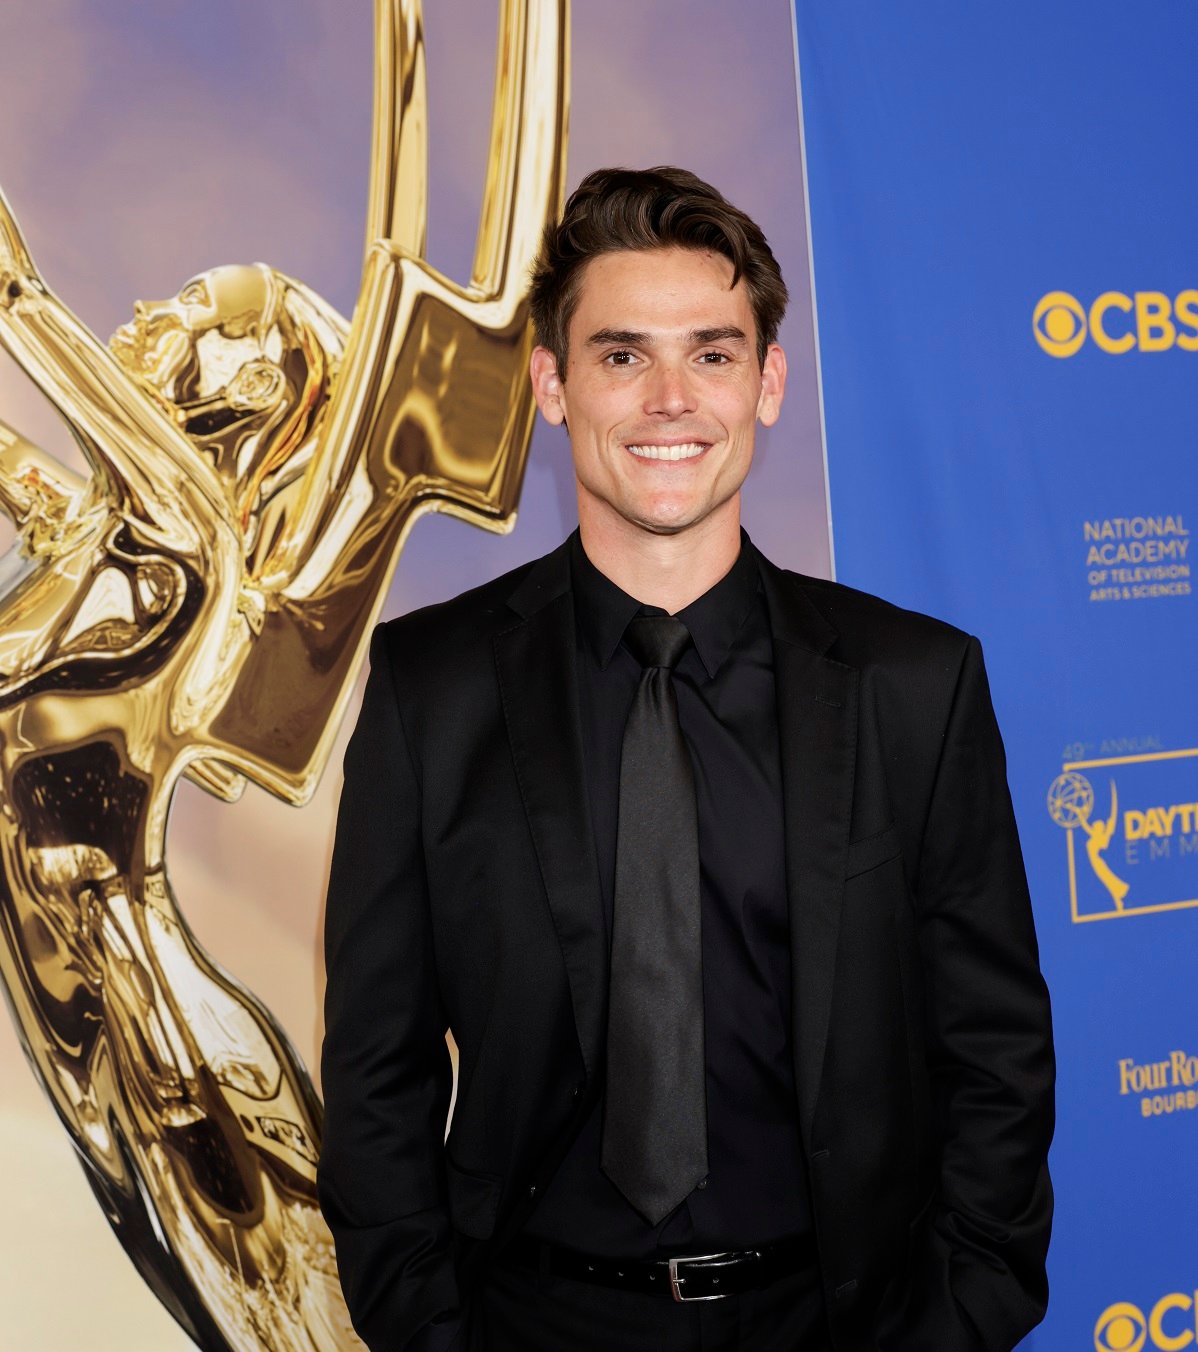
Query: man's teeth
x=687, y=451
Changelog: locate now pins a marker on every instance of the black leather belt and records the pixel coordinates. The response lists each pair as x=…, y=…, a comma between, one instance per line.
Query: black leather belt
x=707, y=1276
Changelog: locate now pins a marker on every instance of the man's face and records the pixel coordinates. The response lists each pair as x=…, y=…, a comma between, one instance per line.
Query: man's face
x=662, y=391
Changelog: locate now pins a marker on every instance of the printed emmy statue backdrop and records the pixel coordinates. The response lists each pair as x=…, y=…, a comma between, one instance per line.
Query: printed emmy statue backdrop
x=206, y=514
x=1002, y=228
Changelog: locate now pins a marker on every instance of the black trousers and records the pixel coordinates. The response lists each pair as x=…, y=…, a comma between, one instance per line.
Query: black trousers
x=520, y=1310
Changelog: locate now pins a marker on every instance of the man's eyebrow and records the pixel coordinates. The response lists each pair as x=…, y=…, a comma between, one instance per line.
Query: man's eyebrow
x=723, y=334
x=625, y=337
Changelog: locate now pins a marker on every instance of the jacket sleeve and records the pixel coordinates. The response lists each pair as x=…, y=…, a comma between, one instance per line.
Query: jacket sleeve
x=385, y=1065
x=977, y=1278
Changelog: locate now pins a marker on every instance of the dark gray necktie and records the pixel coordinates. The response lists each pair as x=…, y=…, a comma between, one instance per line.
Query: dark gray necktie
x=655, y=1118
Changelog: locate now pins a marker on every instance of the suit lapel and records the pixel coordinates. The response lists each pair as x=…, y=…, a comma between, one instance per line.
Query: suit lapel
x=538, y=681
x=817, y=725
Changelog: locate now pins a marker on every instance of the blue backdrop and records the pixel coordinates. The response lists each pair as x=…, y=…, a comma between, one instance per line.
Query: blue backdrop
x=1003, y=229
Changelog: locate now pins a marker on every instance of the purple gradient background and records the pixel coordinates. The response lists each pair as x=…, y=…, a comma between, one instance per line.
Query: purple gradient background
x=140, y=144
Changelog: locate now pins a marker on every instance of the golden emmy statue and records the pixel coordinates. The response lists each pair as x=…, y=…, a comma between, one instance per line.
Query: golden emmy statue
x=200, y=604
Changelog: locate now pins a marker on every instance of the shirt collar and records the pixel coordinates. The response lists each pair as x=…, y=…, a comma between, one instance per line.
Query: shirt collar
x=714, y=619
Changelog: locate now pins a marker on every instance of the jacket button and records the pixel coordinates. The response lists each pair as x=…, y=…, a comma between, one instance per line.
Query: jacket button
x=532, y=1190
x=576, y=1092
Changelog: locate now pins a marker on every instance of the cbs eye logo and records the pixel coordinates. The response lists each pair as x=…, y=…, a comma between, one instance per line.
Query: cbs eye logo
x=1146, y=321
x=1120, y=1328
x=1059, y=324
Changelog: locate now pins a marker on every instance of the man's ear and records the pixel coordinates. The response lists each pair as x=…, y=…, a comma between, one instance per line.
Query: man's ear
x=547, y=386
x=773, y=385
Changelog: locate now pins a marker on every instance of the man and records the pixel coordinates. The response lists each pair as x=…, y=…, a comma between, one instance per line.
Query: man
x=731, y=932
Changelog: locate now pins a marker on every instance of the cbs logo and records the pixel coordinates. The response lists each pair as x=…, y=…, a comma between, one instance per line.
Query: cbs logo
x=1122, y=1327
x=1148, y=321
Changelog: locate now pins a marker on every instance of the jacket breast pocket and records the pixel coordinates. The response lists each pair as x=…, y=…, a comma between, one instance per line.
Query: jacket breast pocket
x=473, y=1200
x=871, y=852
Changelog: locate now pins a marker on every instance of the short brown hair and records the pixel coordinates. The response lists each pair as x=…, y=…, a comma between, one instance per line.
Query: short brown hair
x=660, y=208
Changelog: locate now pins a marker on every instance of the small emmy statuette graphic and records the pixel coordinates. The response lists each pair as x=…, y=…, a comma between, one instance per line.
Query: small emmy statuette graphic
x=1070, y=803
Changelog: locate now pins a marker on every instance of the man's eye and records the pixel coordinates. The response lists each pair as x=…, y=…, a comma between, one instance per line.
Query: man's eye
x=621, y=358
x=714, y=358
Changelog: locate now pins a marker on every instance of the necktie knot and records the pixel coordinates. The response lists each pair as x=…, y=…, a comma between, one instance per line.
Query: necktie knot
x=657, y=640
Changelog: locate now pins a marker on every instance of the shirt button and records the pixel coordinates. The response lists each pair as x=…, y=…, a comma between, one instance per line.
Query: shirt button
x=532, y=1191
x=576, y=1092
x=702, y=1183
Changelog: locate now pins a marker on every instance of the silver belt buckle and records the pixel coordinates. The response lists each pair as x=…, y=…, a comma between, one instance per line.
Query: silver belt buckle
x=677, y=1282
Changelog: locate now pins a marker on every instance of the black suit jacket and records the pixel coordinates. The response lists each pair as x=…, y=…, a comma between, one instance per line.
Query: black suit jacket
x=464, y=894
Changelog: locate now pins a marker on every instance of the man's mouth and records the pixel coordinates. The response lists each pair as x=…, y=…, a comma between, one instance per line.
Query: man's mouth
x=686, y=450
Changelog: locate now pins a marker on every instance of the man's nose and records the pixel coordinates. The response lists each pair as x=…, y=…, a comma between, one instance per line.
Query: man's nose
x=670, y=390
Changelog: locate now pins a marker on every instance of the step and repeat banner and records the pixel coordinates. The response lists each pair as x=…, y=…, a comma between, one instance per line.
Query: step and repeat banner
x=1003, y=203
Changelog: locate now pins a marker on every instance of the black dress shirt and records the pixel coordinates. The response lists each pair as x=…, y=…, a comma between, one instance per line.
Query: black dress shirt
x=755, y=1192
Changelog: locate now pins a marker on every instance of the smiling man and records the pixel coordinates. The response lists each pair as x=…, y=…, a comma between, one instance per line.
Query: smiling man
x=711, y=871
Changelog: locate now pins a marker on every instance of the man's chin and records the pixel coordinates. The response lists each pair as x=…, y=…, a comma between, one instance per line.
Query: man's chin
x=661, y=514
x=674, y=520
